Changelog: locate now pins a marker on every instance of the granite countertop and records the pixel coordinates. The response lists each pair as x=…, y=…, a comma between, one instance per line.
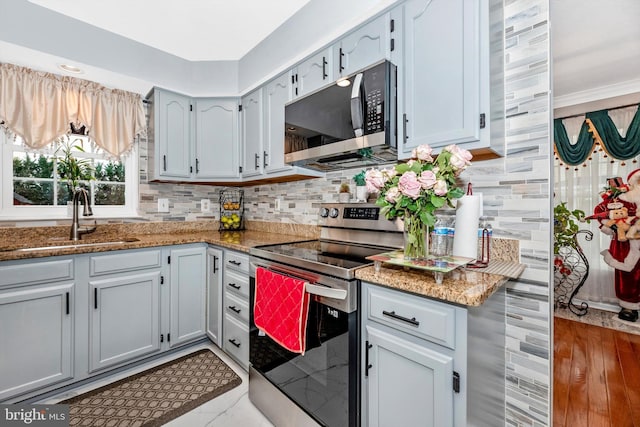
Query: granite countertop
x=461, y=286
x=13, y=242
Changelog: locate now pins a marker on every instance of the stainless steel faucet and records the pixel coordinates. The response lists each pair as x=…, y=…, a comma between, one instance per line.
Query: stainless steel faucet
x=76, y=230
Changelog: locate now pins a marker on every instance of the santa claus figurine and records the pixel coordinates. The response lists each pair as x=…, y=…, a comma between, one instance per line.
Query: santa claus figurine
x=624, y=250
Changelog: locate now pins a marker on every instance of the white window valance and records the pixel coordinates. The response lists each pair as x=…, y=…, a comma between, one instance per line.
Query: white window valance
x=39, y=107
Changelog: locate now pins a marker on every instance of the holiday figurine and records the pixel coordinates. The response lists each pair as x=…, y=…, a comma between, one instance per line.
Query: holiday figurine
x=617, y=216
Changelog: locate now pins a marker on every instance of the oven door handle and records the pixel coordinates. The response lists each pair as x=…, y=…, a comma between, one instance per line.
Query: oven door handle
x=325, y=291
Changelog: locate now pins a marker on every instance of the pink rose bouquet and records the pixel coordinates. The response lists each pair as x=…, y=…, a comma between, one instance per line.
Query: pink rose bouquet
x=415, y=189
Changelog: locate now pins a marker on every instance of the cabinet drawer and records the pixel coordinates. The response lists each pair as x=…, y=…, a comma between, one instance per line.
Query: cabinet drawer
x=235, y=307
x=236, y=261
x=36, y=272
x=236, y=283
x=414, y=315
x=236, y=340
x=123, y=261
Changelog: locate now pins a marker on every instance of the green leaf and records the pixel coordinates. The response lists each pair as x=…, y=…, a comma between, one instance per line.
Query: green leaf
x=402, y=168
x=437, y=201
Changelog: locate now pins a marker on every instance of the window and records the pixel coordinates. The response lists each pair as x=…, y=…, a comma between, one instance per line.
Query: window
x=34, y=184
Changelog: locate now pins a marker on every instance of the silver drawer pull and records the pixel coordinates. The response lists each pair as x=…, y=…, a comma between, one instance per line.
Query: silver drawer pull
x=324, y=291
x=393, y=315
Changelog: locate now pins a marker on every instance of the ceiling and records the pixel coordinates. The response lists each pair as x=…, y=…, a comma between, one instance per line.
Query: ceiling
x=195, y=30
x=596, y=49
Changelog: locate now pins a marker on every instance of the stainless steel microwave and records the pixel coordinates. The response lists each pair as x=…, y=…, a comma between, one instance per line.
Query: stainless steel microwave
x=350, y=123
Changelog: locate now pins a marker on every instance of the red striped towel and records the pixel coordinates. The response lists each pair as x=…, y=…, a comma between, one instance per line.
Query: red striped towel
x=280, y=309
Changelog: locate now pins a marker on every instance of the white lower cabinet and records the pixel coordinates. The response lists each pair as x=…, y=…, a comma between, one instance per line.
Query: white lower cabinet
x=36, y=332
x=214, y=295
x=235, y=305
x=66, y=319
x=430, y=363
x=125, y=318
x=188, y=295
x=408, y=384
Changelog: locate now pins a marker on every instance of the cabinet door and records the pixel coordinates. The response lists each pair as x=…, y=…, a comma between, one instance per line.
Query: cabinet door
x=214, y=295
x=441, y=73
x=188, y=295
x=36, y=337
x=124, y=320
x=173, y=134
x=216, y=142
x=276, y=94
x=252, y=133
x=314, y=73
x=363, y=47
x=408, y=385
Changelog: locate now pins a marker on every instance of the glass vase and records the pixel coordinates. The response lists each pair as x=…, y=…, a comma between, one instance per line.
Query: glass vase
x=416, y=239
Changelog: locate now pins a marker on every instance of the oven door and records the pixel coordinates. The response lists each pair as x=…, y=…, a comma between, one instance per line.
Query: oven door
x=324, y=381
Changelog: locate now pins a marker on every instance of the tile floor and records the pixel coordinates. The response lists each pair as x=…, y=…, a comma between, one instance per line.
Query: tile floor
x=606, y=319
x=230, y=409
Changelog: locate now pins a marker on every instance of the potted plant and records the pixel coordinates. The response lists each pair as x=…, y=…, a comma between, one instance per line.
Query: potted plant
x=344, y=194
x=570, y=265
x=71, y=169
x=361, y=189
x=565, y=226
x=415, y=189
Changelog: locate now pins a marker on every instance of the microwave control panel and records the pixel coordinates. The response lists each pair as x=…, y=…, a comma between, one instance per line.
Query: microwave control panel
x=375, y=112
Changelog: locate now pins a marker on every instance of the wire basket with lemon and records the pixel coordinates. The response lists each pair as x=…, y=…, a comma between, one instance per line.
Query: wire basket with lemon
x=231, y=210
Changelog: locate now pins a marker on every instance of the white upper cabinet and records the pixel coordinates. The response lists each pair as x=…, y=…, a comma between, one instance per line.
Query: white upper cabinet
x=276, y=94
x=313, y=73
x=188, y=147
x=252, y=133
x=444, y=78
x=216, y=142
x=262, y=116
x=172, y=134
x=364, y=46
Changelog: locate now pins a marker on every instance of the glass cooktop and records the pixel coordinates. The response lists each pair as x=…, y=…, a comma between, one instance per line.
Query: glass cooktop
x=334, y=255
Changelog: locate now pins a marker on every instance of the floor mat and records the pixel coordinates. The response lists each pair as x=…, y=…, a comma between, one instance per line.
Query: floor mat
x=155, y=396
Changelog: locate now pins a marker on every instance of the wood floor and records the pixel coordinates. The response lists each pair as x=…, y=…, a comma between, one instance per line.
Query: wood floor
x=596, y=378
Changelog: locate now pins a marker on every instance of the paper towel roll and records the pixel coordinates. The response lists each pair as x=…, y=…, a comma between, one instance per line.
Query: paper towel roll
x=465, y=240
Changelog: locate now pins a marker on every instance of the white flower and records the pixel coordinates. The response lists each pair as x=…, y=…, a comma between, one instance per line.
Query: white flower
x=389, y=173
x=440, y=187
x=375, y=180
x=393, y=195
x=460, y=158
x=422, y=152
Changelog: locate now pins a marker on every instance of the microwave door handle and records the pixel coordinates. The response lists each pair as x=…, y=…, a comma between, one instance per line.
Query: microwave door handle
x=357, y=116
x=325, y=291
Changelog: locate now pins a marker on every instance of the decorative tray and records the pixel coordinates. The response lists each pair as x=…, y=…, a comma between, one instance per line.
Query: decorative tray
x=438, y=265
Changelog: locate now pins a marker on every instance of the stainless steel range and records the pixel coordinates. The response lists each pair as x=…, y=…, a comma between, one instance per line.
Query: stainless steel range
x=320, y=387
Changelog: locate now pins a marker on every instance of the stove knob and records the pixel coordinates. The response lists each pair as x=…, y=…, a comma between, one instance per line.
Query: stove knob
x=324, y=212
x=334, y=213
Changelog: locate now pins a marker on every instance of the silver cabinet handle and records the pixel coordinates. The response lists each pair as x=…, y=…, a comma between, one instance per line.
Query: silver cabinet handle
x=325, y=291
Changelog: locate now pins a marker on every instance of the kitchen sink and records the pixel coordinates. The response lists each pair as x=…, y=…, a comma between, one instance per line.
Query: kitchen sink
x=72, y=244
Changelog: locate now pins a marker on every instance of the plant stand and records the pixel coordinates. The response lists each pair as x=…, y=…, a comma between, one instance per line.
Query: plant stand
x=570, y=271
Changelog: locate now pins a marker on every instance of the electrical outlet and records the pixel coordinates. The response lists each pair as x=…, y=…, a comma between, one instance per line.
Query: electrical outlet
x=163, y=205
x=205, y=205
x=276, y=204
